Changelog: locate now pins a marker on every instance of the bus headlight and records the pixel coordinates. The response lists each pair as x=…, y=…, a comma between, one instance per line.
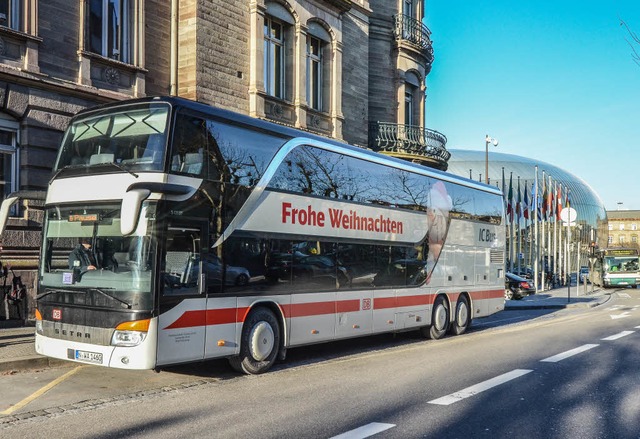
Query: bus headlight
x=127, y=338
x=130, y=333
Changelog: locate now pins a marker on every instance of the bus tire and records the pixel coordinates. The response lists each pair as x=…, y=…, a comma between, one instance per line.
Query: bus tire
x=462, y=316
x=259, y=344
x=439, y=320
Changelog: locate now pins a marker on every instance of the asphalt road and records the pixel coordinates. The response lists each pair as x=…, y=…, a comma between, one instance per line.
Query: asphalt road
x=534, y=374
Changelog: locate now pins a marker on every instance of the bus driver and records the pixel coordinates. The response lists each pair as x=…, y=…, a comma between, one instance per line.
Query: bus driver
x=82, y=257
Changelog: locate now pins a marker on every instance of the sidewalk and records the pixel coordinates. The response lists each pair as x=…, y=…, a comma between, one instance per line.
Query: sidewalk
x=17, y=351
x=559, y=298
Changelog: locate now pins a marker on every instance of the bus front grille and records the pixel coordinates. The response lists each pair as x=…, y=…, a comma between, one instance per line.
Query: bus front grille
x=79, y=333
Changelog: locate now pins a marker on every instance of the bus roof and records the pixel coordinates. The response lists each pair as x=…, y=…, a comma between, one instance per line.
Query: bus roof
x=286, y=131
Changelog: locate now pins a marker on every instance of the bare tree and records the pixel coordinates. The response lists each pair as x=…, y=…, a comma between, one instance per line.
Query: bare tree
x=634, y=42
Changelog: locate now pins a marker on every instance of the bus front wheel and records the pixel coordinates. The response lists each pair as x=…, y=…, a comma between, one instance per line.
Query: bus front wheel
x=259, y=344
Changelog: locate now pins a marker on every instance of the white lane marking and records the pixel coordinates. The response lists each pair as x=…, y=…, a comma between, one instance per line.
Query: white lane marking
x=569, y=353
x=618, y=335
x=619, y=316
x=365, y=431
x=480, y=387
x=624, y=295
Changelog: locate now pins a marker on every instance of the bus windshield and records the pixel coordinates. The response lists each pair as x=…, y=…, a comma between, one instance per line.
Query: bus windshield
x=615, y=264
x=83, y=248
x=133, y=138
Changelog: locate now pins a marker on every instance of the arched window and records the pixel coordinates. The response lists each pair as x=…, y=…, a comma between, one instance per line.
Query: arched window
x=278, y=24
x=318, y=75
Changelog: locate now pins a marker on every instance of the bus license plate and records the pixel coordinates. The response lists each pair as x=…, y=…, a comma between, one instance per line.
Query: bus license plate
x=90, y=357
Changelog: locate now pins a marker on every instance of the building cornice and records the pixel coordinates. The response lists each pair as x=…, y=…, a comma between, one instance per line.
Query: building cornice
x=341, y=5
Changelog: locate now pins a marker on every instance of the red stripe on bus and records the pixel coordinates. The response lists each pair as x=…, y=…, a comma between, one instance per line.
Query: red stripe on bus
x=401, y=301
x=309, y=309
x=235, y=315
x=190, y=319
x=348, y=305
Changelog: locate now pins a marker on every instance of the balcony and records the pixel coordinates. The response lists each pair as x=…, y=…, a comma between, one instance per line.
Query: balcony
x=415, y=32
x=410, y=142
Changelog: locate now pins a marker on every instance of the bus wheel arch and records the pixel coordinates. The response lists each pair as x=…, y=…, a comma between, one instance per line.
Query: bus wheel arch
x=462, y=315
x=440, y=319
x=260, y=341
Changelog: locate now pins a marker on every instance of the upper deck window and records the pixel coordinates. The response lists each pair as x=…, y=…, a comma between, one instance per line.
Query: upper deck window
x=133, y=138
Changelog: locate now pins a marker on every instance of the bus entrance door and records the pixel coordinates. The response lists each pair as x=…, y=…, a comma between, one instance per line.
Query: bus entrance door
x=182, y=320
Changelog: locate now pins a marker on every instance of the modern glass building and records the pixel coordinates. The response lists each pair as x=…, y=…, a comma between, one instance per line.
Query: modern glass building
x=591, y=213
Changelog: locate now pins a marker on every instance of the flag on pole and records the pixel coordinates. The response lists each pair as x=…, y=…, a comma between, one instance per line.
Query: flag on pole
x=519, y=202
x=510, y=199
x=559, y=201
x=535, y=205
x=552, y=201
x=568, y=200
x=525, y=205
x=545, y=197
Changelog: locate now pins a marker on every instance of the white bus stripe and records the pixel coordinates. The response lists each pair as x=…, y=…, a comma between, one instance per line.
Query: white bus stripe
x=570, y=353
x=365, y=431
x=618, y=335
x=481, y=387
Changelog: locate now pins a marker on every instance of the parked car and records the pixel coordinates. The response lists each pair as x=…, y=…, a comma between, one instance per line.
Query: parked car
x=516, y=287
x=212, y=267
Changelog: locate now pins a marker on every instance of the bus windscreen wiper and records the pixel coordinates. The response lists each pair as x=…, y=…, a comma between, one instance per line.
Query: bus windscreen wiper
x=111, y=296
x=65, y=168
x=122, y=168
x=48, y=292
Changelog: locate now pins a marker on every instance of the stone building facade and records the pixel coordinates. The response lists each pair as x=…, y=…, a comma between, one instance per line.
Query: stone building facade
x=353, y=70
x=624, y=228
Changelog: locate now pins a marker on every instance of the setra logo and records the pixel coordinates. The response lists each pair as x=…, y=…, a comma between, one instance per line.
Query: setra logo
x=56, y=314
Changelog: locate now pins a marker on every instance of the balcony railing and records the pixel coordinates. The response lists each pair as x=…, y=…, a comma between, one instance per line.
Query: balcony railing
x=414, y=31
x=410, y=141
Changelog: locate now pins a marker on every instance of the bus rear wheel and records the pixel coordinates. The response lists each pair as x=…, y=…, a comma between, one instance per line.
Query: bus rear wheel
x=259, y=344
x=439, y=320
x=462, y=316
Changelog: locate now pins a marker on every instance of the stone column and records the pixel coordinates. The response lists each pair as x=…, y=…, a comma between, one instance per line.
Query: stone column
x=300, y=76
x=256, y=52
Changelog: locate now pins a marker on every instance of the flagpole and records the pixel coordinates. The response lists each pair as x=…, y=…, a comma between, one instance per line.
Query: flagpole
x=535, y=231
x=526, y=219
x=511, y=246
x=550, y=216
x=543, y=242
x=555, y=233
x=518, y=232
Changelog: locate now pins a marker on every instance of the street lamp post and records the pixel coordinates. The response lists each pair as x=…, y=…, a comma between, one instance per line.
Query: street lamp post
x=487, y=141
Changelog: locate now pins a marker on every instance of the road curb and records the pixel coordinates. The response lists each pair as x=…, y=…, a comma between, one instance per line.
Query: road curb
x=21, y=364
x=597, y=301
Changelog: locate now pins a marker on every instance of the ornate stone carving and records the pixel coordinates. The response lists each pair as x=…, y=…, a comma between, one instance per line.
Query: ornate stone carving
x=278, y=111
x=111, y=75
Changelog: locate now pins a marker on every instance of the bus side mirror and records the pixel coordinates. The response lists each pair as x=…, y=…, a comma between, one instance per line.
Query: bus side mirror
x=131, y=205
x=5, y=208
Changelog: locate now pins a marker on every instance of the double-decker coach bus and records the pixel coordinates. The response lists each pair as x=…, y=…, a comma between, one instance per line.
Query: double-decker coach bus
x=616, y=267
x=208, y=234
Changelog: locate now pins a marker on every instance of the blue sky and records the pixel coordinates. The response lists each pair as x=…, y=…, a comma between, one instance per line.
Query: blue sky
x=551, y=80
